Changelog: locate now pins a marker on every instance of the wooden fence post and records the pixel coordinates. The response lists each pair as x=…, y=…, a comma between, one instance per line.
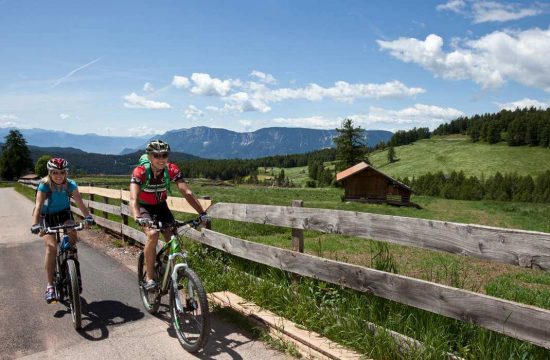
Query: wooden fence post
x=105, y=213
x=126, y=238
x=106, y=201
x=208, y=224
x=298, y=234
x=92, y=198
x=297, y=239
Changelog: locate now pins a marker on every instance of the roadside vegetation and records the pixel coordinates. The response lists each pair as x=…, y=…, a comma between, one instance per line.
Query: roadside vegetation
x=344, y=315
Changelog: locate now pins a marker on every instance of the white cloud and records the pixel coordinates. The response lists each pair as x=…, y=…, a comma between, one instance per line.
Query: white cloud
x=343, y=91
x=10, y=120
x=144, y=130
x=255, y=96
x=64, y=116
x=523, y=103
x=263, y=77
x=208, y=86
x=489, y=61
x=245, y=123
x=139, y=102
x=8, y=117
x=192, y=112
x=242, y=101
x=180, y=82
x=488, y=11
x=314, y=122
x=148, y=87
x=419, y=115
x=491, y=11
x=452, y=5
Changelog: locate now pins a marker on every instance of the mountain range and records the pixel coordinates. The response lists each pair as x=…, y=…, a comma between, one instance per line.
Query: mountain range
x=213, y=143
x=201, y=141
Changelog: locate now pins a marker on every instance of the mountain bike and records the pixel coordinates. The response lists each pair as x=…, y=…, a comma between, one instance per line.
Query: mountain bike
x=67, y=282
x=188, y=303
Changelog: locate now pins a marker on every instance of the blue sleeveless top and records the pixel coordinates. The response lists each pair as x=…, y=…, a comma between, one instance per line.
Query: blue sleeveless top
x=57, y=201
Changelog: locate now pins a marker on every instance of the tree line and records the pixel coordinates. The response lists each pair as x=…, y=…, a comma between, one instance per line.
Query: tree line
x=528, y=126
x=500, y=187
x=237, y=169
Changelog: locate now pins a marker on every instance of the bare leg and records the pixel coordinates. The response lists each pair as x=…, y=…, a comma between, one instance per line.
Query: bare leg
x=49, y=258
x=150, y=251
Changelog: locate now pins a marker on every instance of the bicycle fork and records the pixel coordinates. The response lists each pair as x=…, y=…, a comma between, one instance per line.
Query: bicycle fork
x=175, y=285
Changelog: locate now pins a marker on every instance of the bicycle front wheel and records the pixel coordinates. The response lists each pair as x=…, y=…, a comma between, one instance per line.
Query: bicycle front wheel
x=150, y=299
x=189, y=311
x=74, y=293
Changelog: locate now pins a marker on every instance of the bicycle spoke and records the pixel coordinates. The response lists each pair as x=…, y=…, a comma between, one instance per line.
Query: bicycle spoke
x=191, y=322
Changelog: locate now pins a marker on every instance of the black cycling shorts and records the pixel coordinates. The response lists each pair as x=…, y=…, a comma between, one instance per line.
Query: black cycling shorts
x=159, y=212
x=56, y=219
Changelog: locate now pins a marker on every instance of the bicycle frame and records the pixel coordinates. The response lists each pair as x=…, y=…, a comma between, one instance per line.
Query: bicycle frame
x=172, y=267
x=188, y=301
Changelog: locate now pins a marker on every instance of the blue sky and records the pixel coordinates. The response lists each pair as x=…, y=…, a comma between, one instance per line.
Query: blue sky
x=128, y=68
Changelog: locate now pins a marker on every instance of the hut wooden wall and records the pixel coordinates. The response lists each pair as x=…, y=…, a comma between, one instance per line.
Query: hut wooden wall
x=366, y=185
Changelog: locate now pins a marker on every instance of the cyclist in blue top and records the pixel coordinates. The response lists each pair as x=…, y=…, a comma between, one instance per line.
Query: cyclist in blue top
x=53, y=208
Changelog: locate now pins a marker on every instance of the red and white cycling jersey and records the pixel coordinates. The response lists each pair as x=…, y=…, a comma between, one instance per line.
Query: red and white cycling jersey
x=155, y=192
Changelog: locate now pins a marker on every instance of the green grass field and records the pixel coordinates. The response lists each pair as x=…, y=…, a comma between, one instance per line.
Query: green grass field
x=450, y=153
x=341, y=313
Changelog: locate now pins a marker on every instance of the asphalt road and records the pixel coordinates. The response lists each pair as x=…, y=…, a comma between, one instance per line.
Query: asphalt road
x=115, y=326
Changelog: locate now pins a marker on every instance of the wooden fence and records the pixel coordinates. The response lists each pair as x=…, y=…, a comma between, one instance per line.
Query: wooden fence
x=522, y=248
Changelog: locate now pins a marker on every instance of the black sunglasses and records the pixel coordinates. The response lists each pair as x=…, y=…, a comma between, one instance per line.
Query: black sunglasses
x=160, y=155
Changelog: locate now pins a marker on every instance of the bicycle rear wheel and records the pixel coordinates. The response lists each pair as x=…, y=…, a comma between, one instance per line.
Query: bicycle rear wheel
x=150, y=299
x=191, y=319
x=74, y=293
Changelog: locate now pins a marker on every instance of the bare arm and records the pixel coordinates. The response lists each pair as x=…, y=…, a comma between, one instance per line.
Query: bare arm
x=188, y=194
x=78, y=200
x=40, y=199
x=134, y=205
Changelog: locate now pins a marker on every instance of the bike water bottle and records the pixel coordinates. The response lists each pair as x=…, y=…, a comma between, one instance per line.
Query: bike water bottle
x=65, y=243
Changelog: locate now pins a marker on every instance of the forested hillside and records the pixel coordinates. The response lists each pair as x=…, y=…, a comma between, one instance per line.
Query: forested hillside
x=519, y=127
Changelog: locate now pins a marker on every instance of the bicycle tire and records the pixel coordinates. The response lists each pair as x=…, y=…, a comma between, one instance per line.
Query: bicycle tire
x=192, y=326
x=152, y=307
x=74, y=294
x=59, y=283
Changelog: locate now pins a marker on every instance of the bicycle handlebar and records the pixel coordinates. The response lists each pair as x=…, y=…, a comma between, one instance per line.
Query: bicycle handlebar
x=56, y=229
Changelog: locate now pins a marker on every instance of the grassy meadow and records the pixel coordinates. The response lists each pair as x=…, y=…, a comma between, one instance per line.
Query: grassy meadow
x=342, y=314
x=448, y=153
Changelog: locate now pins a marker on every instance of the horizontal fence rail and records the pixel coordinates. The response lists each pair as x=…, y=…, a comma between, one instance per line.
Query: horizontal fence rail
x=517, y=320
x=524, y=248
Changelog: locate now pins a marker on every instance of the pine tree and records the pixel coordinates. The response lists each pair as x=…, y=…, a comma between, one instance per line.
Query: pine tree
x=391, y=154
x=16, y=157
x=350, y=144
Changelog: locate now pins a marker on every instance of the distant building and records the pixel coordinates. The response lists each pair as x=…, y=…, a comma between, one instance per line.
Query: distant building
x=364, y=183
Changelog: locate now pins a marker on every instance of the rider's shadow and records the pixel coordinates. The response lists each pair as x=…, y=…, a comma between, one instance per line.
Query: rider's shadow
x=222, y=334
x=98, y=315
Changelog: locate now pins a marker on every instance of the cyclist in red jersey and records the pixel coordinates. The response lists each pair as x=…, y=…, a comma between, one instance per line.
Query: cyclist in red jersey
x=148, y=199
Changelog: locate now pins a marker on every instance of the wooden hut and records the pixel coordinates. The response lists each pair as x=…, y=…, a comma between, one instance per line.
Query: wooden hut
x=364, y=183
x=30, y=177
